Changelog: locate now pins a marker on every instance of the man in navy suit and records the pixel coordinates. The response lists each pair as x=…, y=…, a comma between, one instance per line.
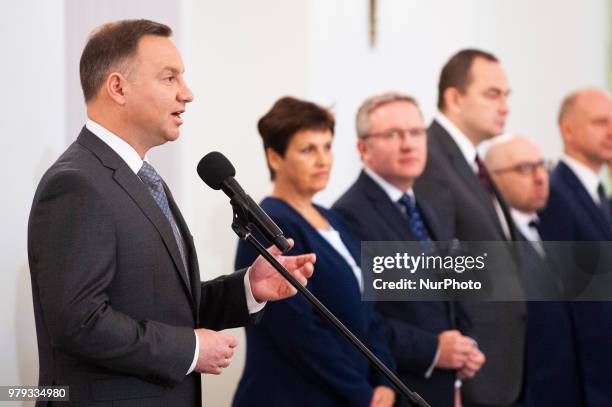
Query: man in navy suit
x=579, y=211
x=519, y=171
x=426, y=337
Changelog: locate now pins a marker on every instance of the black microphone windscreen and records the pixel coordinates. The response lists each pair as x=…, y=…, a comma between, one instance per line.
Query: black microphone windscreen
x=214, y=168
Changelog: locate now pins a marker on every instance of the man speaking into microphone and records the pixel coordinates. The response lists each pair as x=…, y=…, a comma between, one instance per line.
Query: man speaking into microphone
x=121, y=313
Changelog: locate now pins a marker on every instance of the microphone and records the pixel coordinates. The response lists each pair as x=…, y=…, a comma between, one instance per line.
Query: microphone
x=218, y=173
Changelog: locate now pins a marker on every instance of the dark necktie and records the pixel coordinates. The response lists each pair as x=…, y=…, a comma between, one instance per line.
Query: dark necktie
x=537, y=244
x=153, y=181
x=484, y=176
x=604, y=204
x=415, y=221
x=535, y=224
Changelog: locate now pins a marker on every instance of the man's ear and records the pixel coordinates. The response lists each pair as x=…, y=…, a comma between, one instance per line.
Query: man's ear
x=452, y=100
x=567, y=132
x=362, y=148
x=116, y=87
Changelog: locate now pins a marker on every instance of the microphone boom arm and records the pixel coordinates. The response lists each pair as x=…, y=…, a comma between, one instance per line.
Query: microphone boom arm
x=241, y=226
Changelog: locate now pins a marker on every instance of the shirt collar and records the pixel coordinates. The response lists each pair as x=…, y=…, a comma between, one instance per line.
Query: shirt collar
x=522, y=221
x=465, y=145
x=588, y=178
x=118, y=145
x=393, y=192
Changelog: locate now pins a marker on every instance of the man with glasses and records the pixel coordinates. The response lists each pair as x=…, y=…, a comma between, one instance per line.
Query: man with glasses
x=521, y=174
x=426, y=337
x=472, y=103
x=578, y=211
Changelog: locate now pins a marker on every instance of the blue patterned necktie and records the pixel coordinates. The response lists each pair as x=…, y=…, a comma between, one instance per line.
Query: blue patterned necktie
x=415, y=221
x=153, y=181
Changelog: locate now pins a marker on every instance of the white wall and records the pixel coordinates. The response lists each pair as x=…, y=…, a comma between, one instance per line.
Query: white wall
x=32, y=129
x=241, y=56
x=42, y=111
x=547, y=47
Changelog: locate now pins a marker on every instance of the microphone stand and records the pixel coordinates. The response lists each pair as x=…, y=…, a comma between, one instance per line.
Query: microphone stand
x=241, y=225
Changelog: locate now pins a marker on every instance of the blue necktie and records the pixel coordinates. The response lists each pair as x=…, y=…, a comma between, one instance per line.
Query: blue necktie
x=415, y=221
x=153, y=181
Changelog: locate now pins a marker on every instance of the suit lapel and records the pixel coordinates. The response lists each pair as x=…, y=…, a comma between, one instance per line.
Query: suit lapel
x=591, y=209
x=444, y=142
x=194, y=270
x=506, y=212
x=139, y=193
x=383, y=204
x=435, y=229
x=142, y=197
x=326, y=253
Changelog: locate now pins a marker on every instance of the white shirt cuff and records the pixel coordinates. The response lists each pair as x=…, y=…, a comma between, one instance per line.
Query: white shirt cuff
x=252, y=304
x=429, y=371
x=195, y=356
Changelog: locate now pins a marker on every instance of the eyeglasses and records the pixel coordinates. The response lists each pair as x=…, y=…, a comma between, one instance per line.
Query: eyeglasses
x=526, y=168
x=397, y=134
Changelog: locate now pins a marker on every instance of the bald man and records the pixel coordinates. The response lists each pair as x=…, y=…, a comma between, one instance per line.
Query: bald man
x=519, y=171
x=578, y=211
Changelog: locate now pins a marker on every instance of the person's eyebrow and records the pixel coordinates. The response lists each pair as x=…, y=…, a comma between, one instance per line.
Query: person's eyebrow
x=173, y=69
x=599, y=119
x=497, y=90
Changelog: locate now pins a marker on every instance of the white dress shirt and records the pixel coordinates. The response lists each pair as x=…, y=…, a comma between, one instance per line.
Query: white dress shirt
x=394, y=193
x=133, y=160
x=465, y=145
x=589, y=179
x=470, y=152
x=524, y=222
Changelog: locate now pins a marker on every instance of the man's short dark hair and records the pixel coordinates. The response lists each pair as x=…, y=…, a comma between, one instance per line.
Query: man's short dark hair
x=287, y=117
x=109, y=47
x=456, y=72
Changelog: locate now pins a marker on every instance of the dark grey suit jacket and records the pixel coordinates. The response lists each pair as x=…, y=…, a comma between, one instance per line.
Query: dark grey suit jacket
x=114, y=310
x=499, y=327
